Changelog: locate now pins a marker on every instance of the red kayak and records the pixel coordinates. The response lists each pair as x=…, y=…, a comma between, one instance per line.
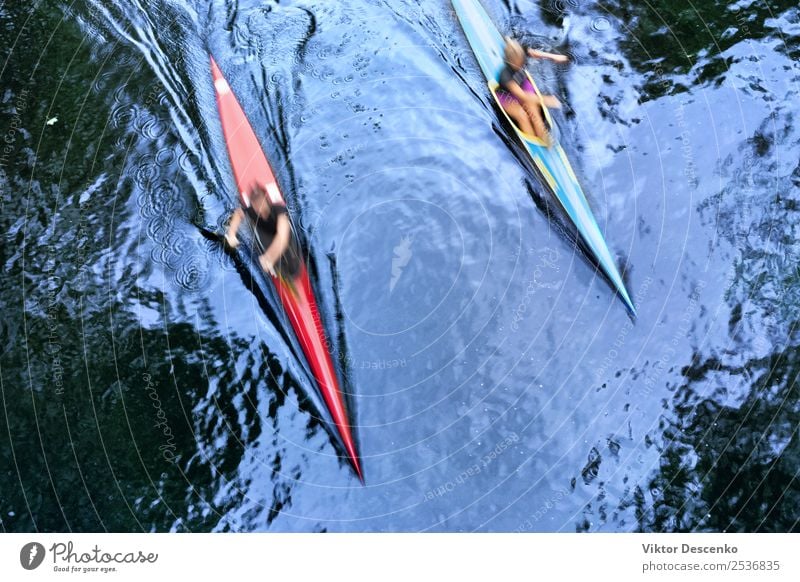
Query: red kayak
x=250, y=167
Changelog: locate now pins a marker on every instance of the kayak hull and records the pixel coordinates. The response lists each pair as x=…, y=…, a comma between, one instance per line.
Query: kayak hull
x=251, y=168
x=550, y=161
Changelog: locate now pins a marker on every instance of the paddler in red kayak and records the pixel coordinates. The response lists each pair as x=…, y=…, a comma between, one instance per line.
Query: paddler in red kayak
x=516, y=94
x=278, y=252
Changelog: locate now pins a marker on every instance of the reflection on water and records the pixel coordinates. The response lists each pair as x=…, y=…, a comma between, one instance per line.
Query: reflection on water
x=149, y=384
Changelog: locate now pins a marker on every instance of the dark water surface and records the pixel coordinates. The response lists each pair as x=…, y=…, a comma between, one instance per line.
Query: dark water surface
x=496, y=382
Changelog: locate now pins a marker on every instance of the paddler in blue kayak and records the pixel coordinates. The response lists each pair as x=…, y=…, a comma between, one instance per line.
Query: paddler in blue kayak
x=516, y=94
x=277, y=249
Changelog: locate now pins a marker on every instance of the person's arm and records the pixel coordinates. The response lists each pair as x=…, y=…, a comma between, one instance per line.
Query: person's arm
x=279, y=244
x=537, y=54
x=233, y=228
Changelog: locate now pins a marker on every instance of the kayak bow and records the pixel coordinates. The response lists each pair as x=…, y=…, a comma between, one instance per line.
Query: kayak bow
x=250, y=167
x=551, y=162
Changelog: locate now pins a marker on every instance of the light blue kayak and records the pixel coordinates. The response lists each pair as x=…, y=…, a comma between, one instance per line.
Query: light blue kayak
x=487, y=43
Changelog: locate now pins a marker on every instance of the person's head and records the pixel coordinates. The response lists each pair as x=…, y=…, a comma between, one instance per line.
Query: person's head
x=260, y=201
x=514, y=54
